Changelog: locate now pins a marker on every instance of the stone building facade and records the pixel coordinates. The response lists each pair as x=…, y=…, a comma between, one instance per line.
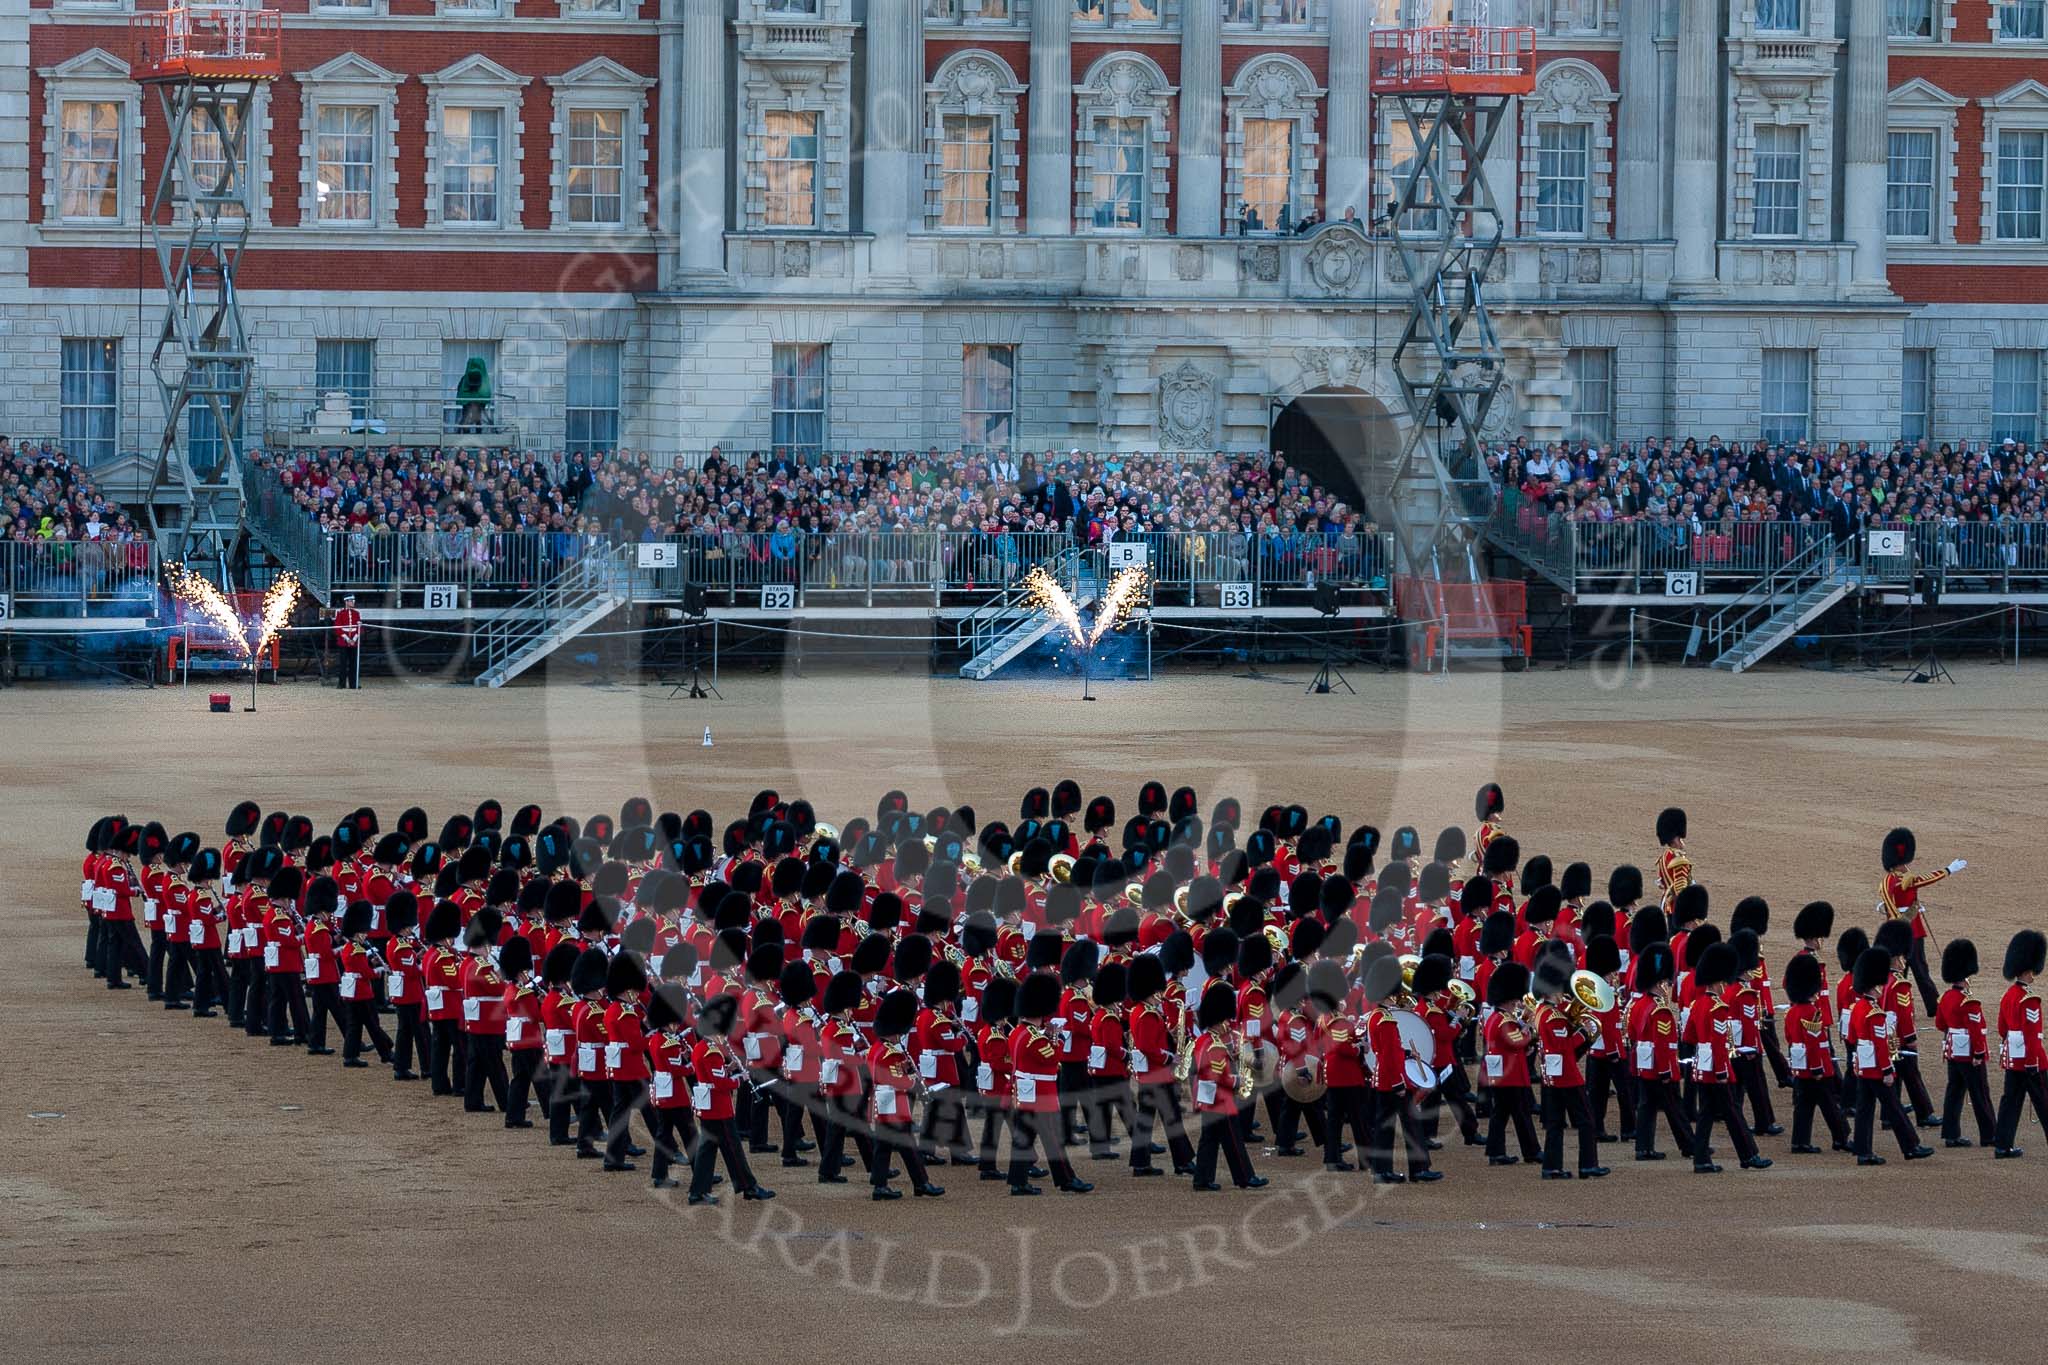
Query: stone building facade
x=854, y=223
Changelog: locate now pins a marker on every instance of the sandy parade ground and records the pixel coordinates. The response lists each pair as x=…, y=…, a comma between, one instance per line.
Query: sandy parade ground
x=171, y=1191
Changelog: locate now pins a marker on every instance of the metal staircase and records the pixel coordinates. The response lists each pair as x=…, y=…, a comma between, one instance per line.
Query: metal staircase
x=550, y=616
x=1003, y=628
x=1742, y=633
x=1549, y=557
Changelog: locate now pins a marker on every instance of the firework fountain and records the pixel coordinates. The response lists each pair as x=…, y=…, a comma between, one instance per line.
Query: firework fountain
x=1126, y=593
x=217, y=616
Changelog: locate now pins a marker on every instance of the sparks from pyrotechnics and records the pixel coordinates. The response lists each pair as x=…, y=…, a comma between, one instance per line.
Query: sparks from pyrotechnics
x=204, y=598
x=278, y=601
x=1123, y=595
x=1044, y=593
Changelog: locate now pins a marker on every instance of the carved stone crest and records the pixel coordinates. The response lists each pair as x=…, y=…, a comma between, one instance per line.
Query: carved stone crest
x=1188, y=262
x=1187, y=407
x=796, y=259
x=1338, y=260
x=988, y=261
x=1261, y=263
x=1339, y=367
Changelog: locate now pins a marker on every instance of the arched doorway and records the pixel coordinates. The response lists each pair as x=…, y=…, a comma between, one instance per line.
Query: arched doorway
x=1339, y=437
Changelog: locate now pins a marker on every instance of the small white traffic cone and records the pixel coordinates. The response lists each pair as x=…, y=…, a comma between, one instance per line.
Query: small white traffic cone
x=707, y=736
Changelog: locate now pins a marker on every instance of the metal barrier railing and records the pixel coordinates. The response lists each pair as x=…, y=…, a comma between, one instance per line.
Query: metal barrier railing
x=1635, y=556
x=71, y=576
x=511, y=561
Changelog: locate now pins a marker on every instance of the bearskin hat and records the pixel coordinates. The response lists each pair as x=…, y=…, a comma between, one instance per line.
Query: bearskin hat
x=1218, y=1005
x=2027, y=952
x=1508, y=984
x=444, y=922
x=1654, y=965
x=1850, y=946
x=588, y=976
x=1596, y=919
x=1450, y=844
x=1895, y=937
x=1039, y=996
x=1503, y=855
x=1716, y=965
x=1958, y=961
x=1802, y=978
x=1645, y=927
x=1697, y=943
x=1491, y=800
x=913, y=958
x=1690, y=905
x=1433, y=883
x=1539, y=871
x=483, y=928
x=1815, y=920
x=1625, y=885
x=1146, y=978
x=1497, y=934
x=1177, y=953
x=1603, y=955
x=1873, y=968
x=1543, y=905
x=1307, y=938
x=1898, y=848
x=1752, y=913
x=871, y=954
x=1749, y=951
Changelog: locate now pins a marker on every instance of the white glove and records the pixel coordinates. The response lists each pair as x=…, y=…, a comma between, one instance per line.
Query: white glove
x=1957, y=866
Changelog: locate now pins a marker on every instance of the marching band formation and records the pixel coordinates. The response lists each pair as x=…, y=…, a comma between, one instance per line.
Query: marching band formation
x=934, y=990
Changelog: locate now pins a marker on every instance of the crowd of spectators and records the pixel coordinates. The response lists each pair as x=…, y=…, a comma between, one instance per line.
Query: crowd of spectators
x=1712, y=485
x=462, y=502
x=83, y=541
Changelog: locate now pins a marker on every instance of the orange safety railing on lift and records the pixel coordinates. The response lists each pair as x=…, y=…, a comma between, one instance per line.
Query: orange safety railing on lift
x=1496, y=610
x=223, y=41
x=1453, y=61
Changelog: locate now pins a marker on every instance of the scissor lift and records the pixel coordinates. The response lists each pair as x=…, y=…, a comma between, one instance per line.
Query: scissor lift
x=204, y=59
x=1452, y=87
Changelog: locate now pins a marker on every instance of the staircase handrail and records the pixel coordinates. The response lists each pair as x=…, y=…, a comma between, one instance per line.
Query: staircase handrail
x=1761, y=600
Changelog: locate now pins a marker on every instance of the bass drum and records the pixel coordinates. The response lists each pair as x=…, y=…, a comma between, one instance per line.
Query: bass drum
x=1304, y=1083
x=1419, y=1042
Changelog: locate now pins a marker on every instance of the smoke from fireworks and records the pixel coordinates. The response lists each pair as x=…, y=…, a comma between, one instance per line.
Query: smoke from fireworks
x=1125, y=593
x=213, y=607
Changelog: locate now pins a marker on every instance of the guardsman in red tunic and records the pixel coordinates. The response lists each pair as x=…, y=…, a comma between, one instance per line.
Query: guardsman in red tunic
x=1897, y=1000
x=797, y=1084
x=117, y=896
x=1151, y=1032
x=1074, y=1028
x=525, y=1038
x=348, y=643
x=2020, y=1044
x=718, y=1076
x=1709, y=1026
x=670, y=1048
x=1899, y=898
x=284, y=960
x=992, y=1080
x=322, y=972
x=1675, y=870
x=1654, y=1033
x=1489, y=805
x=204, y=917
x=360, y=965
x=1745, y=1002
x=1813, y=926
x=1848, y=947
x=483, y=1013
x=760, y=1032
x=839, y=1078
x=1034, y=1060
x=896, y=1085
x=1216, y=1075
x=1108, y=1062
x=1869, y=1035
x=1393, y=1096
x=441, y=989
x=1966, y=1044
x=248, y=909
x=939, y=1046
x=561, y=1094
x=587, y=1042
x=1563, y=1045
x=625, y=1056
x=405, y=985
x=152, y=879
x=1810, y=1054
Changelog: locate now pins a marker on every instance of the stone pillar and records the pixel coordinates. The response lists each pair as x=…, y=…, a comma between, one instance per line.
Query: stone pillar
x=700, y=159
x=14, y=136
x=891, y=165
x=1696, y=175
x=1049, y=163
x=1639, y=172
x=1200, y=211
x=1865, y=147
x=1347, y=165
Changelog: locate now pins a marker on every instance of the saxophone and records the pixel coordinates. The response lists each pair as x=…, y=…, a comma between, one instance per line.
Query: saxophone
x=1184, y=1057
x=1247, y=1069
